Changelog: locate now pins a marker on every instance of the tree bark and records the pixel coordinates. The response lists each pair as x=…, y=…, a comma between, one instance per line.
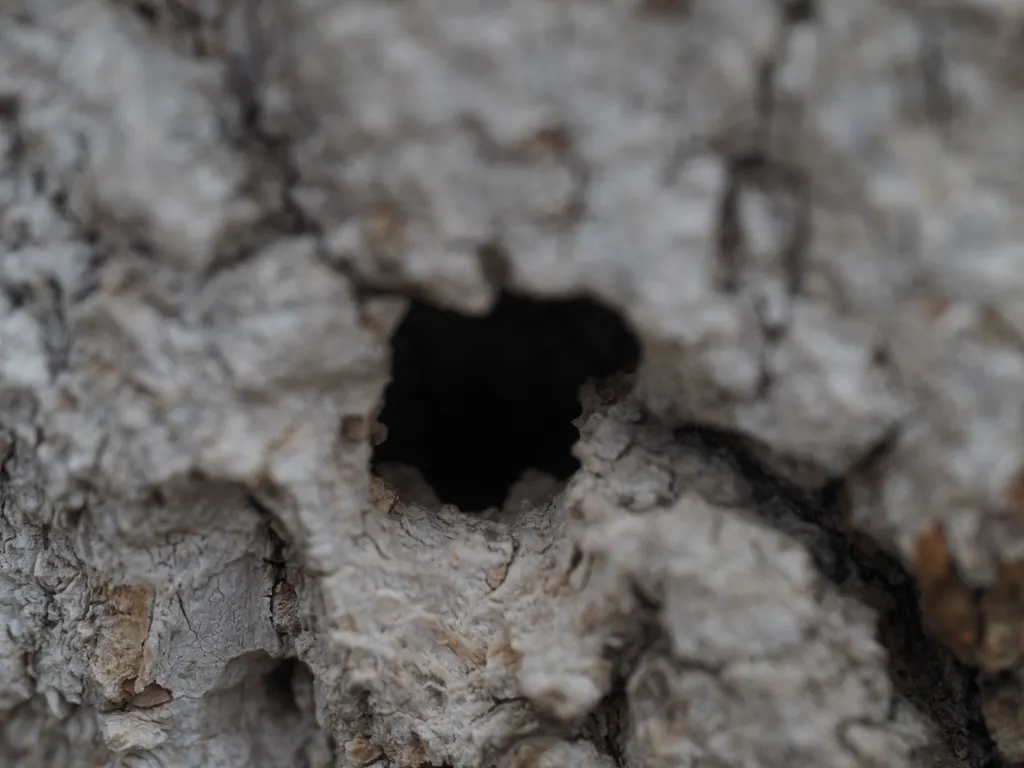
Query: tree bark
x=794, y=535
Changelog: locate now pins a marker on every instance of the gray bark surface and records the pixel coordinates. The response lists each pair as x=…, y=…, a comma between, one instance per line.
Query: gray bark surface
x=796, y=537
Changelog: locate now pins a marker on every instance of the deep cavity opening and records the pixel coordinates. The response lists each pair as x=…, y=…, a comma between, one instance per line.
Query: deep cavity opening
x=474, y=402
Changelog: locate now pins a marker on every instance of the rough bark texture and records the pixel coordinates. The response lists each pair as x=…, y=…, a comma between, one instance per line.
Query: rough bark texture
x=796, y=534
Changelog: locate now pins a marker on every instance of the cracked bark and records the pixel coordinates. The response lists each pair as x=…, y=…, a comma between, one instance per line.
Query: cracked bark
x=794, y=535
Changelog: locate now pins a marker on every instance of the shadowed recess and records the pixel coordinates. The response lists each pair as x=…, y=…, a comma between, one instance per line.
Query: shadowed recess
x=476, y=401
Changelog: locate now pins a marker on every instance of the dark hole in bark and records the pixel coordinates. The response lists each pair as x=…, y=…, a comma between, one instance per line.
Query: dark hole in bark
x=476, y=401
x=279, y=683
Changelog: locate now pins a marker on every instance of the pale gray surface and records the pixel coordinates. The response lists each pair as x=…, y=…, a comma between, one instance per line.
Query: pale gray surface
x=199, y=210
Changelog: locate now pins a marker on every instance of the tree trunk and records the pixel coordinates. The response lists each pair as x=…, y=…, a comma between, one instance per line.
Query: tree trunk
x=627, y=384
